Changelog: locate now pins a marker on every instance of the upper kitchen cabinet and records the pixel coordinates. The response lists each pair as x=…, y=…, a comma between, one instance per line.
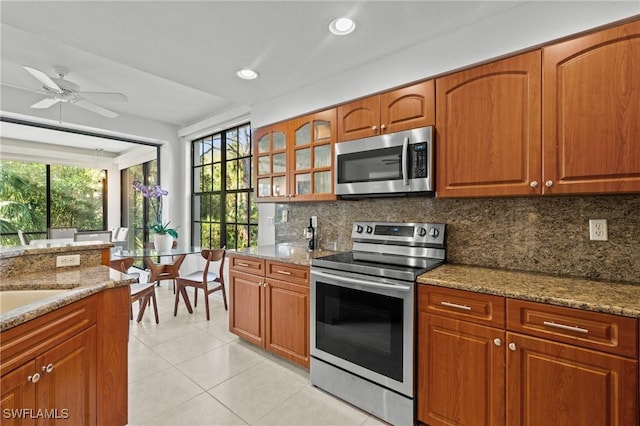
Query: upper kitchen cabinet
x=271, y=162
x=401, y=109
x=488, y=125
x=591, y=107
x=311, y=176
x=294, y=159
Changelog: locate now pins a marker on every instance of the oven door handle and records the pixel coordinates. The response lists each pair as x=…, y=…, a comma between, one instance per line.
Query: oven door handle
x=362, y=282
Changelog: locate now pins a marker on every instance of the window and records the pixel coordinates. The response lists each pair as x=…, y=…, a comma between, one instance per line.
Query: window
x=135, y=208
x=224, y=211
x=36, y=196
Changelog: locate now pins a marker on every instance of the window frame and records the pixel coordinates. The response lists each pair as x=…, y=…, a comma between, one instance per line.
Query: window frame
x=197, y=195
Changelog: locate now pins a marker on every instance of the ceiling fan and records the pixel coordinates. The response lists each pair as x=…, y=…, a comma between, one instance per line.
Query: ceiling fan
x=58, y=89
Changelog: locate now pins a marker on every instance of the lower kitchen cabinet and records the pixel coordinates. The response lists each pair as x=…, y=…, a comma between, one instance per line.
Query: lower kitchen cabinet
x=560, y=384
x=54, y=373
x=461, y=378
x=546, y=365
x=269, y=306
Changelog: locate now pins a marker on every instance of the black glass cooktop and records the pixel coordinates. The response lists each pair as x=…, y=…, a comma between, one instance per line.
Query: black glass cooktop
x=377, y=264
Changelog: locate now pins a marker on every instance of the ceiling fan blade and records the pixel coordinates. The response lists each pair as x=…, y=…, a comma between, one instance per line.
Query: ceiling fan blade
x=96, y=108
x=15, y=86
x=43, y=78
x=45, y=103
x=104, y=96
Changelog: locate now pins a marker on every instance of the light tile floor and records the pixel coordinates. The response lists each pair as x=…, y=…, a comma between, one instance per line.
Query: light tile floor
x=190, y=371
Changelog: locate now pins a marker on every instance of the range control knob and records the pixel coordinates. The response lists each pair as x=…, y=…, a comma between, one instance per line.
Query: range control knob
x=433, y=232
x=359, y=229
x=369, y=229
x=422, y=232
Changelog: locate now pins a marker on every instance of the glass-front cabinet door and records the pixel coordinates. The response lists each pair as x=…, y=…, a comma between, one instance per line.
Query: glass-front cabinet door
x=311, y=175
x=271, y=162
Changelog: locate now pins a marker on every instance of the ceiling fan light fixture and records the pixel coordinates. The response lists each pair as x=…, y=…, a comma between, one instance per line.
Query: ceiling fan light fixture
x=342, y=26
x=247, y=74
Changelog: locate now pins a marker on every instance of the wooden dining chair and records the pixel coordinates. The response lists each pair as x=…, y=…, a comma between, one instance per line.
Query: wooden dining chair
x=164, y=271
x=204, y=280
x=143, y=293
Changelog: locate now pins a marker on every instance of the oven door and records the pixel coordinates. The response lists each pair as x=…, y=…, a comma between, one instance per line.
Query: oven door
x=364, y=325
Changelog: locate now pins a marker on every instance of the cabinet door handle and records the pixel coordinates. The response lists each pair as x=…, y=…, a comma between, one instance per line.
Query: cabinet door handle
x=48, y=368
x=566, y=327
x=512, y=346
x=549, y=183
x=534, y=184
x=456, y=306
x=497, y=342
x=34, y=378
x=383, y=127
x=246, y=265
x=283, y=272
x=374, y=128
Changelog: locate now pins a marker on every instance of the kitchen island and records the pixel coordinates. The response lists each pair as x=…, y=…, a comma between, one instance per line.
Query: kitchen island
x=64, y=334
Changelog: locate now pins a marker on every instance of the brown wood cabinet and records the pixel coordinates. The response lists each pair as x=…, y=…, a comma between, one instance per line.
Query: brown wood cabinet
x=500, y=134
x=401, y=109
x=473, y=371
x=270, y=152
x=567, y=385
x=461, y=357
x=52, y=366
x=488, y=125
x=270, y=307
x=294, y=159
x=591, y=105
x=311, y=156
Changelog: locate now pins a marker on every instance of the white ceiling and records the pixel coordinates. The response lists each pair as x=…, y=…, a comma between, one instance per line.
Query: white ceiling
x=176, y=60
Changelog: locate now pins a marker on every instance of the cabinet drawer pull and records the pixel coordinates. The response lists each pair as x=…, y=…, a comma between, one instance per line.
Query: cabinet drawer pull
x=34, y=378
x=283, y=272
x=566, y=327
x=456, y=306
x=246, y=265
x=48, y=368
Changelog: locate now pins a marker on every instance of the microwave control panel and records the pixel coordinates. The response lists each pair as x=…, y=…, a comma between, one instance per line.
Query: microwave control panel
x=419, y=159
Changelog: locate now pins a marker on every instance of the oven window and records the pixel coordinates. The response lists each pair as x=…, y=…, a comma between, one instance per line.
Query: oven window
x=361, y=327
x=368, y=166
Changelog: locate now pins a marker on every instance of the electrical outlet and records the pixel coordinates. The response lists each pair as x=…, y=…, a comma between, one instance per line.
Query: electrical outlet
x=270, y=220
x=598, y=230
x=285, y=215
x=69, y=260
x=314, y=221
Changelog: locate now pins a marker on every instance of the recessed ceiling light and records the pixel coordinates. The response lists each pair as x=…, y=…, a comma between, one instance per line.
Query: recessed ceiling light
x=247, y=74
x=342, y=26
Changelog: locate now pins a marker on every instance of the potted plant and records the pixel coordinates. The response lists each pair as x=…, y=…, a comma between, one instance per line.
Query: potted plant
x=164, y=235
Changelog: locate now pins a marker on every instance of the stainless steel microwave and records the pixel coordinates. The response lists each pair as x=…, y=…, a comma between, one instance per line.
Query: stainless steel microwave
x=393, y=164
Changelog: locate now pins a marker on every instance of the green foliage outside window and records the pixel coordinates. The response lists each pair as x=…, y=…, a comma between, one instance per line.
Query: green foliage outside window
x=224, y=211
x=76, y=199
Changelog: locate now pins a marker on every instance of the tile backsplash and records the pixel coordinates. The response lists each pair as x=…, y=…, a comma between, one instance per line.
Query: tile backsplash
x=541, y=234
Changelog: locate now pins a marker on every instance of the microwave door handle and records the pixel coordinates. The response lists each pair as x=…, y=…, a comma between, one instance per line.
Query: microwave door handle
x=405, y=148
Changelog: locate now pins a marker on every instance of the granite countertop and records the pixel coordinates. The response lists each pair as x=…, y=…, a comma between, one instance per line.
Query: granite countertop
x=51, y=248
x=80, y=282
x=283, y=253
x=608, y=297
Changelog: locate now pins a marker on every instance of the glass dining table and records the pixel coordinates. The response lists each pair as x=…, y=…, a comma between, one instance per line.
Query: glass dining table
x=153, y=259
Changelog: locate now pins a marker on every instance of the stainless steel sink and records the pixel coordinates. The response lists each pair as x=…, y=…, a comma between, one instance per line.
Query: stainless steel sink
x=12, y=299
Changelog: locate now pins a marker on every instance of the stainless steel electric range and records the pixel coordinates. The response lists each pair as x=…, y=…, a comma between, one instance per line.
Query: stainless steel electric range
x=362, y=316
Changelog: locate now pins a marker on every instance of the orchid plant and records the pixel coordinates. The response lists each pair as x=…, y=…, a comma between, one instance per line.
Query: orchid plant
x=155, y=193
